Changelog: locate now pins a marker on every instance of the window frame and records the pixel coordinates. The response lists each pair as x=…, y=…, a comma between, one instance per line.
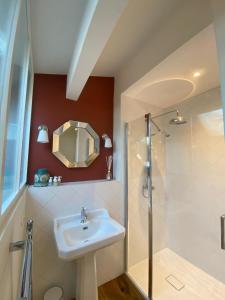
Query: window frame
x=28, y=64
x=27, y=121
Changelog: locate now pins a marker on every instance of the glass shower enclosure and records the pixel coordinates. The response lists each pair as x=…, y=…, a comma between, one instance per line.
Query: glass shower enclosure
x=175, y=200
x=139, y=206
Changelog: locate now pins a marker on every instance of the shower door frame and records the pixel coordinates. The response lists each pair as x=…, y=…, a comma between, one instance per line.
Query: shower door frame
x=150, y=212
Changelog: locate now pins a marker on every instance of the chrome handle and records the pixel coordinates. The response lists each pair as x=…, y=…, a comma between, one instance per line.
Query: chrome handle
x=222, y=224
x=146, y=189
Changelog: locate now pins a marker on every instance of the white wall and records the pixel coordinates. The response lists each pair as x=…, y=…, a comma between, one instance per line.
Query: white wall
x=45, y=204
x=195, y=164
x=12, y=230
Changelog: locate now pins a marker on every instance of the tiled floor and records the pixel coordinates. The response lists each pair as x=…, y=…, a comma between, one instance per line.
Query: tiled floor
x=192, y=282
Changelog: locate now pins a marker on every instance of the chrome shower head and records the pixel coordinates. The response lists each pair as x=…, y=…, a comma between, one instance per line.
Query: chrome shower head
x=179, y=120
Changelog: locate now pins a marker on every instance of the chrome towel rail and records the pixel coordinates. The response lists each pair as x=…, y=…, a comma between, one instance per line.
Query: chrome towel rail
x=25, y=288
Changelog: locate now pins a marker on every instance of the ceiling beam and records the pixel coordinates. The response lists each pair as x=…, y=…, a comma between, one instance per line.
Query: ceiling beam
x=97, y=25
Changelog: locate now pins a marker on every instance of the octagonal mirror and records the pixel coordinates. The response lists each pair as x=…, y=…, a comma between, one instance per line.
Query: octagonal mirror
x=75, y=144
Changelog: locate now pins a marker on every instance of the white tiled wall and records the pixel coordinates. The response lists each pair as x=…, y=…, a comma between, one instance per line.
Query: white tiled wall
x=159, y=195
x=195, y=163
x=44, y=204
x=10, y=263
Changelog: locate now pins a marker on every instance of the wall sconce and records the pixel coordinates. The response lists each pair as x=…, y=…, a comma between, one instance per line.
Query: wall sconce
x=43, y=134
x=107, y=141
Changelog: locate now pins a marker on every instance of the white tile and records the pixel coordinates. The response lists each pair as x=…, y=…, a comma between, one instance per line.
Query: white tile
x=41, y=194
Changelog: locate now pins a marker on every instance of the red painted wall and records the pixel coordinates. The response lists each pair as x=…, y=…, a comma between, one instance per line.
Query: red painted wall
x=50, y=107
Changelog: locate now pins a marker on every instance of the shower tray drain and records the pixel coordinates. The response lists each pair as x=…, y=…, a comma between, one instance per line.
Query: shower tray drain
x=176, y=283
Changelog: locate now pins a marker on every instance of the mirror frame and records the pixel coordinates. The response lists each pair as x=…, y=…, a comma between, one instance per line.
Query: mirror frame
x=76, y=124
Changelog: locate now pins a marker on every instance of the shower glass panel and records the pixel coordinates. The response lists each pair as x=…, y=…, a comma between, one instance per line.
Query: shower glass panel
x=174, y=230
x=188, y=201
x=138, y=249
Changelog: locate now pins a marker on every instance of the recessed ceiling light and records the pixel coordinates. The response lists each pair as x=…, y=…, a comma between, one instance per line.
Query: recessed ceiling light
x=196, y=74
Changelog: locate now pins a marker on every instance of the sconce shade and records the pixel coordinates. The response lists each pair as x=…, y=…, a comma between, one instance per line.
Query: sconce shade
x=107, y=141
x=43, y=134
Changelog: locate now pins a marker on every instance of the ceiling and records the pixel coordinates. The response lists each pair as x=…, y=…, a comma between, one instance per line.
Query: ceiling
x=55, y=25
x=140, y=20
x=173, y=80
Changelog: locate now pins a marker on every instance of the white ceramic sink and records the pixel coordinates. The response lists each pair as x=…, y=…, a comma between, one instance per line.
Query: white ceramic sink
x=75, y=239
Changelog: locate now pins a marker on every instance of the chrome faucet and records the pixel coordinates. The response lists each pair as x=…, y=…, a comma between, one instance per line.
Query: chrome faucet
x=83, y=215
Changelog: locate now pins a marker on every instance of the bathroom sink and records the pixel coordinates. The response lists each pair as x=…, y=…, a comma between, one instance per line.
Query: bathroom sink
x=78, y=237
x=75, y=239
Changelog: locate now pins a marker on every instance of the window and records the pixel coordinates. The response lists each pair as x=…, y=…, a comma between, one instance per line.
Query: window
x=26, y=130
x=16, y=105
x=7, y=11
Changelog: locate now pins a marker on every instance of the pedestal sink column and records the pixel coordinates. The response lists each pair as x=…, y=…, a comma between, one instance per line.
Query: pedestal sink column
x=86, y=286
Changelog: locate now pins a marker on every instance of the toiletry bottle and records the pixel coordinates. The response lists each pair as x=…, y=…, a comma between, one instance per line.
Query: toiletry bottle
x=59, y=180
x=50, y=182
x=55, y=181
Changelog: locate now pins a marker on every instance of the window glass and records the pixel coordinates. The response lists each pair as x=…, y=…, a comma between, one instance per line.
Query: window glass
x=16, y=104
x=7, y=9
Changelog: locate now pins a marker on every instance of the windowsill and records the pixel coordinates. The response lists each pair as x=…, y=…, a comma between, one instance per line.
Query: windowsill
x=78, y=182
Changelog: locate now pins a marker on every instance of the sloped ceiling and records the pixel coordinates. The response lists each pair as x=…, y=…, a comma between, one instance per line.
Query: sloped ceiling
x=55, y=25
x=140, y=20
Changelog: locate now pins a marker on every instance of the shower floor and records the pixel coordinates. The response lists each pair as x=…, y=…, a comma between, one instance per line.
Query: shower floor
x=190, y=282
